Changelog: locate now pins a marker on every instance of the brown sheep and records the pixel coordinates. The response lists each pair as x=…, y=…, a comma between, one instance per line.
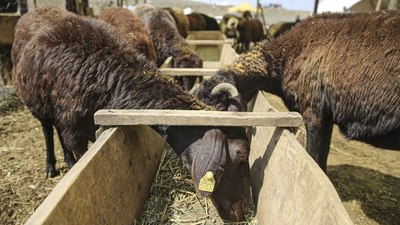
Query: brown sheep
x=249, y=31
x=168, y=42
x=276, y=30
x=181, y=21
x=333, y=69
x=196, y=22
x=67, y=67
x=129, y=24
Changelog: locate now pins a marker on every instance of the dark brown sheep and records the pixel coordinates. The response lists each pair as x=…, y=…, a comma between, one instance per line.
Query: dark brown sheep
x=249, y=31
x=196, y=22
x=129, y=24
x=169, y=42
x=278, y=29
x=67, y=67
x=181, y=21
x=333, y=69
x=211, y=23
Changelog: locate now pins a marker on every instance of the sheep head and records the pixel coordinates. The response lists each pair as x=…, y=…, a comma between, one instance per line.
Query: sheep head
x=188, y=61
x=223, y=96
x=220, y=169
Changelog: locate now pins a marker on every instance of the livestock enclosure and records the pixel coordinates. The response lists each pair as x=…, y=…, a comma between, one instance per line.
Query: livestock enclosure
x=112, y=182
x=116, y=174
x=125, y=158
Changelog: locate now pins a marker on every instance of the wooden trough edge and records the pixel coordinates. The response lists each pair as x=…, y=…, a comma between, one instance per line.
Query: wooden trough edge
x=288, y=186
x=117, y=117
x=209, y=42
x=109, y=184
x=189, y=71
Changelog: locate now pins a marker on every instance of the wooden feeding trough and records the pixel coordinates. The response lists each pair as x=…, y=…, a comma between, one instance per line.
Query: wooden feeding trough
x=111, y=182
x=212, y=47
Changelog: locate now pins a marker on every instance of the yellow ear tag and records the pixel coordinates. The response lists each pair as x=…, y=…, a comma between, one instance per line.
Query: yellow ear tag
x=207, y=183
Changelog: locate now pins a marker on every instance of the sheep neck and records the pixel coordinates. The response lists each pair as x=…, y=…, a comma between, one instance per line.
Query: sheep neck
x=249, y=72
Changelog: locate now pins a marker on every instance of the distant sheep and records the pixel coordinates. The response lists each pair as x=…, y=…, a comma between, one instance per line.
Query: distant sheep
x=333, y=69
x=181, y=21
x=196, y=22
x=168, y=42
x=129, y=24
x=249, y=31
x=67, y=67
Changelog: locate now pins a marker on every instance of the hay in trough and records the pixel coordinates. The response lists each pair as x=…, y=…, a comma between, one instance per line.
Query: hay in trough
x=173, y=199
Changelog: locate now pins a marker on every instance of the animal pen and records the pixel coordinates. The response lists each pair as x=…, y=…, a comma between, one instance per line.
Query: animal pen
x=111, y=183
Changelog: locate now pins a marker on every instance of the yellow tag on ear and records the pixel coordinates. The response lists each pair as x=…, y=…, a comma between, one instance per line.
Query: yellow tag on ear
x=207, y=183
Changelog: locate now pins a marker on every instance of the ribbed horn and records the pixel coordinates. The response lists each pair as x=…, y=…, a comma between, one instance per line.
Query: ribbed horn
x=225, y=87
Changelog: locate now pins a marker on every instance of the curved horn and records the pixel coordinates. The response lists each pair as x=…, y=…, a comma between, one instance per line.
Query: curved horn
x=194, y=88
x=225, y=87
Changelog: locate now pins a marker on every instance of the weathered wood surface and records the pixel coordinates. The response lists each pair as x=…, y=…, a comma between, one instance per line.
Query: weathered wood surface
x=228, y=55
x=288, y=186
x=7, y=25
x=109, y=184
x=189, y=71
x=209, y=42
x=205, y=35
x=120, y=117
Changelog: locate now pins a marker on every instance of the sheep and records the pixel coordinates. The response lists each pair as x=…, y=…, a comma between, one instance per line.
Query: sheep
x=131, y=25
x=181, y=21
x=276, y=30
x=196, y=22
x=211, y=23
x=67, y=67
x=249, y=31
x=333, y=69
x=168, y=42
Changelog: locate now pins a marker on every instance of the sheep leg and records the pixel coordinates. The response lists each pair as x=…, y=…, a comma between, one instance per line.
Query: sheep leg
x=74, y=142
x=50, y=157
x=69, y=157
x=318, y=141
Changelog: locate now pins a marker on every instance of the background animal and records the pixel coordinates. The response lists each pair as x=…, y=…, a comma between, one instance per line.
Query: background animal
x=333, y=69
x=181, y=21
x=64, y=79
x=211, y=23
x=249, y=31
x=196, y=22
x=277, y=29
x=168, y=42
x=129, y=24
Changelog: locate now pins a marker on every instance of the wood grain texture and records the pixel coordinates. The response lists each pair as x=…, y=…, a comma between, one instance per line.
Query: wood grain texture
x=109, y=184
x=189, y=71
x=111, y=117
x=288, y=186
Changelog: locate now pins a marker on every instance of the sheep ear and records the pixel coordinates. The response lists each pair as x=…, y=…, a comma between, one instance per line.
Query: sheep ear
x=209, y=161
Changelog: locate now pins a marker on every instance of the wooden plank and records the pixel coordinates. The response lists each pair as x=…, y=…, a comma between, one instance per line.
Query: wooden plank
x=228, y=55
x=7, y=25
x=205, y=35
x=167, y=63
x=111, y=117
x=288, y=186
x=209, y=42
x=211, y=64
x=189, y=71
x=109, y=184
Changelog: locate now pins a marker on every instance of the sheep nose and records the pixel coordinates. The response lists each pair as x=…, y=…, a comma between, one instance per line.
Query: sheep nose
x=239, y=210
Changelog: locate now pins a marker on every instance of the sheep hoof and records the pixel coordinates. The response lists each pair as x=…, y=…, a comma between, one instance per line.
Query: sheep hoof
x=70, y=162
x=51, y=170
